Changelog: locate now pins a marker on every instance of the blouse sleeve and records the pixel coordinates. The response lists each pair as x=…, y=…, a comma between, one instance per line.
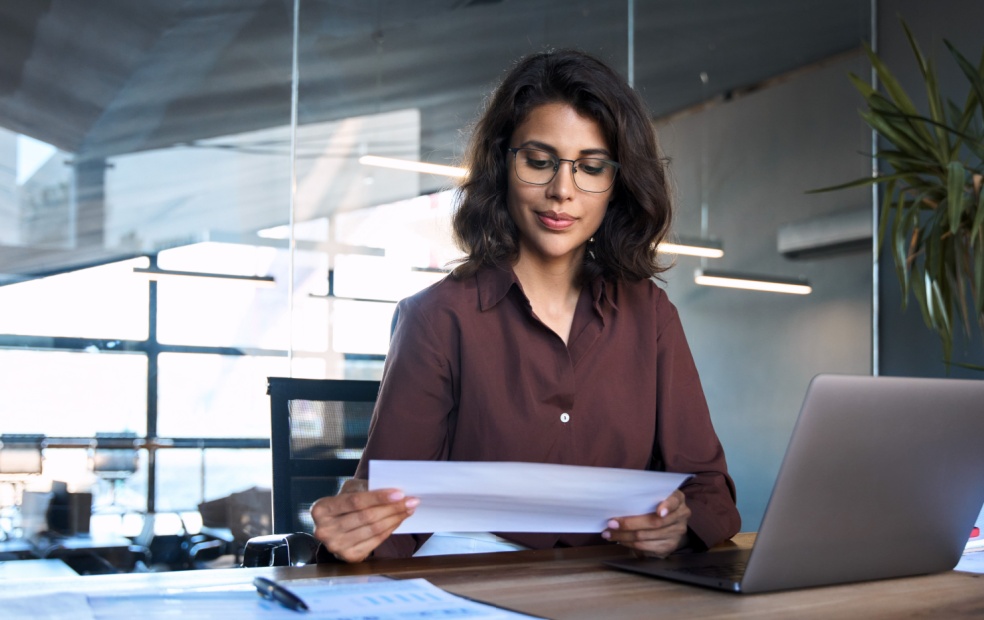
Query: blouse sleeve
x=686, y=437
x=413, y=415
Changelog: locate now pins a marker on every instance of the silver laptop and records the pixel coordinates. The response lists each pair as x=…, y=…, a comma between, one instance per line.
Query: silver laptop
x=883, y=477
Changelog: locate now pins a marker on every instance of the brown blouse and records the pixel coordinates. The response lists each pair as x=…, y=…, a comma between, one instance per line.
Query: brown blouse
x=473, y=375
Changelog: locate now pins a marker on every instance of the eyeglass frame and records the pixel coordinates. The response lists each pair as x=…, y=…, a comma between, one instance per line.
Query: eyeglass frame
x=515, y=150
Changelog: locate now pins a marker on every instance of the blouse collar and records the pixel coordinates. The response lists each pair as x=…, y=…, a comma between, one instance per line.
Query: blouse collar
x=494, y=283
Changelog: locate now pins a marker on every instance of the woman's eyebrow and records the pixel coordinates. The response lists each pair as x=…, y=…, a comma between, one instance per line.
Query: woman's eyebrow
x=550, y=149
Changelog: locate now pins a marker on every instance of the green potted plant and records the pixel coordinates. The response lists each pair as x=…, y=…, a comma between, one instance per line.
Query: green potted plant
x=932, y=215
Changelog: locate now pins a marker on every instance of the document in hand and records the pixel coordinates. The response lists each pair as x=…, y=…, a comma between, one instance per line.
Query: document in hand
x=464, y=496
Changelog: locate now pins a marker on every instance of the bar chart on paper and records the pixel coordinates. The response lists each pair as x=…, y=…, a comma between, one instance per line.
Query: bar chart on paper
x=353, y=598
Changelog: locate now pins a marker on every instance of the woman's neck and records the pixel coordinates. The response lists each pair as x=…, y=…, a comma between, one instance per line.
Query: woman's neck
x=553, y=291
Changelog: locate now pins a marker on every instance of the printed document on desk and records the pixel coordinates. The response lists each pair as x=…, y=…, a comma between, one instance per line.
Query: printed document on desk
x=327, y=599
x=466, y=496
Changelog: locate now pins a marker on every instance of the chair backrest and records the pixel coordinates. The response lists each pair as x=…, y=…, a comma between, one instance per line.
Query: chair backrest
x=318, y=430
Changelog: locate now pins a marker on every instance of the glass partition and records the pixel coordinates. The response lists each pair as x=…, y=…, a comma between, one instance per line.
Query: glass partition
x=176, y=225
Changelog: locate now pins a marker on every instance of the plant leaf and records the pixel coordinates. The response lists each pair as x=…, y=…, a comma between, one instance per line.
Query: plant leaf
x=974, y=75
x=977, y=228
x=940, y=305
x=919, y=292
x=898, y=134
x=932, y=91
x=886, y=209
x=966, y=365
x=956, y=177
x=979, y=275
x=938, y=124
x=863, y=86
x=905, y=162
x=934, y=252
x=900, y=246
x=859, y=183
x=892, y=87
x=958, y=276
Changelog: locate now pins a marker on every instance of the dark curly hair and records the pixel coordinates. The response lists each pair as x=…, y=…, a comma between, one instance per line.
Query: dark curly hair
x=638, y=216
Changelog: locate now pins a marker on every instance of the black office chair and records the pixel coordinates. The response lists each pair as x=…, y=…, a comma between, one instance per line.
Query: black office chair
x=318, y=430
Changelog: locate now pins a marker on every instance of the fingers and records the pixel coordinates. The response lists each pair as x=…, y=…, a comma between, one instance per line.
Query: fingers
x=354, y=484
x=668, y=513
x=356, y=545
x=355, y=501
x=657, y=533
x=673, y=503
x=354, y=522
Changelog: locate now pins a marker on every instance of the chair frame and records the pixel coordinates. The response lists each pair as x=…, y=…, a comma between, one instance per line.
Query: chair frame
x=282, y=390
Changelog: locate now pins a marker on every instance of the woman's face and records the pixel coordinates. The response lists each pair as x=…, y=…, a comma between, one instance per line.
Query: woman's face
x=556, y=220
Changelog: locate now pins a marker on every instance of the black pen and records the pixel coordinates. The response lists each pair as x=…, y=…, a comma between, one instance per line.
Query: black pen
x=267, y=588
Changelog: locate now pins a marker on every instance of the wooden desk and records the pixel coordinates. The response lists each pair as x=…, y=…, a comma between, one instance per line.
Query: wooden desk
x=573, y=583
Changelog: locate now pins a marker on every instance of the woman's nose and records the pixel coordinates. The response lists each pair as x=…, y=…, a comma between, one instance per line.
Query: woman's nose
x=562, y=185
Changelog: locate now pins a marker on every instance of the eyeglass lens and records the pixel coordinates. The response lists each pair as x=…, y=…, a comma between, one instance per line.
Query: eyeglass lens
x=539, y=168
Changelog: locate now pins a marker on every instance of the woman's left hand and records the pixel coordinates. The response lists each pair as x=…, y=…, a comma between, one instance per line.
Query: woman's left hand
x=657, y=534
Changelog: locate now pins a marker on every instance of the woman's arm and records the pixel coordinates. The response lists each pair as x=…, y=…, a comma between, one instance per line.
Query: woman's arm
x=409, y=422
x=686, y=441
x=703, y=512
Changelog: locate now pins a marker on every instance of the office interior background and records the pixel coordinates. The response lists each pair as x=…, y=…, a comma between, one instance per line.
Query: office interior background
x=227, y=137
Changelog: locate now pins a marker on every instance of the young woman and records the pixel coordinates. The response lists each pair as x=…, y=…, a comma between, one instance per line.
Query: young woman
x=550, y=342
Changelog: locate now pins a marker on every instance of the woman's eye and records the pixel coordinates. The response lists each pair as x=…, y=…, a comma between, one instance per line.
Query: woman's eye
x=592, y=167
x=539, y=164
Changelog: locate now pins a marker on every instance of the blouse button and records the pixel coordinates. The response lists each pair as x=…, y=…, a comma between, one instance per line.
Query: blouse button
x=565, y=417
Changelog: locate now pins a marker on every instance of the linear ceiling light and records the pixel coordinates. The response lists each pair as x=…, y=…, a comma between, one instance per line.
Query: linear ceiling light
x=690, y=246
x=412, y=166
x=167, y=274
x=729, y=279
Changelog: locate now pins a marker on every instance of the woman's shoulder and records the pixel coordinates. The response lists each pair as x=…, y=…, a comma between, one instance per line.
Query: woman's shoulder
x=646, y=301
x=645, y=292
x=450, y=292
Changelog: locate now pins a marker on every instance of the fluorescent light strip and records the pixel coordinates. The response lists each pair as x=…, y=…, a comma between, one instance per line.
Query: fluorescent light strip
x=708, y=277
x=411, y=166
x=166, y=274
x=702, y=248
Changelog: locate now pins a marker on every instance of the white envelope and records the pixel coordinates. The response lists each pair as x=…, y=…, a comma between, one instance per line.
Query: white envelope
x=468, y=496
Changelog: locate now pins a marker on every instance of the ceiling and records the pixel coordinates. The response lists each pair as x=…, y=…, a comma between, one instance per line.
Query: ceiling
x=98, y=78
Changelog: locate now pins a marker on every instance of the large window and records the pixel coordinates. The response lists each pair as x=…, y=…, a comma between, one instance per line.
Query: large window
x=142, y=142
x=164, y=347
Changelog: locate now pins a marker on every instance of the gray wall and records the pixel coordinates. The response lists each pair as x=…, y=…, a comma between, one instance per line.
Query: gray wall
x=758, y=351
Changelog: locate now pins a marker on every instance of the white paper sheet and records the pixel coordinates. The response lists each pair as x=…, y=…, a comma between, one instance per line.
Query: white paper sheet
x=328, y=599
x=57, y=606
x=460, y=496
x=972, y=562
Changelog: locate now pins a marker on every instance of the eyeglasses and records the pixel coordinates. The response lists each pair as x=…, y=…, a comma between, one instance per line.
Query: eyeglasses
x=538, y=167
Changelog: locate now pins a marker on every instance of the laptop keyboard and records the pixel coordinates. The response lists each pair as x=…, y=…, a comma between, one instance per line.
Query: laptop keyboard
x=732, y=571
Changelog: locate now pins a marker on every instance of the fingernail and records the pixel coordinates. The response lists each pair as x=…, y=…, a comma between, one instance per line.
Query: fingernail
x=413, y=502
x=606, y=534
x=663, y=512
x=613, y=524
x=396, y=496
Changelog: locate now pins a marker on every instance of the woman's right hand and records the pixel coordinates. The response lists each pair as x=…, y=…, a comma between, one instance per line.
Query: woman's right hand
x=356, y=521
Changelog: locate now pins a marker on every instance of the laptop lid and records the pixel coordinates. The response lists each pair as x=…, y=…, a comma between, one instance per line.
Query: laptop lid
x=883, y=477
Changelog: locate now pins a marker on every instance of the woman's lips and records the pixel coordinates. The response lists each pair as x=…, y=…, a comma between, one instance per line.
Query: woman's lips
x=555, y=221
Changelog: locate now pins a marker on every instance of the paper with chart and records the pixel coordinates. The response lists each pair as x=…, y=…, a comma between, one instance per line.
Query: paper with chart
x=461, y=496
x=345, y=598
